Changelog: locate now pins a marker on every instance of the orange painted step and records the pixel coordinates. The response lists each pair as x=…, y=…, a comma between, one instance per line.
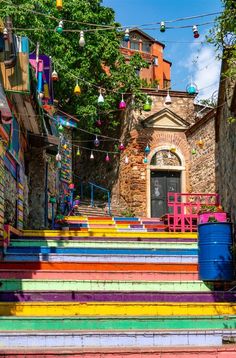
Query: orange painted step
x=96, y=266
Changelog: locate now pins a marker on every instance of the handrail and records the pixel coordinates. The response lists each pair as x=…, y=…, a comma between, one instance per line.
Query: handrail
x=92, y=186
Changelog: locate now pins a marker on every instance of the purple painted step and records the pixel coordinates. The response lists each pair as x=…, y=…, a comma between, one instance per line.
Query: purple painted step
x=72, y=296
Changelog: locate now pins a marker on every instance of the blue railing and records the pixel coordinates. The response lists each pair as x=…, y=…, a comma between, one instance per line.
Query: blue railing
x=88, y=189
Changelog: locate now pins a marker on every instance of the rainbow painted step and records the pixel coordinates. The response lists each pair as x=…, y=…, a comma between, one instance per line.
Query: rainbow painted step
x=100, y=251
x=103, y=244
x=105, y=266
x=95, y=296
x=105, y=233
x=99, y=276
x=89, y=285
x=115, y=309
x=116, y=323
x=102, y=258
x=110, y=339
x=228, y=351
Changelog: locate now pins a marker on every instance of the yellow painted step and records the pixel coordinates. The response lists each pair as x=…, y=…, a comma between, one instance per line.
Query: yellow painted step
x=115, y=309
x=72, y=233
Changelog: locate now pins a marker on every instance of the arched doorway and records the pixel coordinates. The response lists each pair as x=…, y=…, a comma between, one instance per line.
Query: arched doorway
x=166, y=173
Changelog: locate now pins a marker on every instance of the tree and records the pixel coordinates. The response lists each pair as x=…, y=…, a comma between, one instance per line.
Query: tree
x=38, y=20
x=223, y=35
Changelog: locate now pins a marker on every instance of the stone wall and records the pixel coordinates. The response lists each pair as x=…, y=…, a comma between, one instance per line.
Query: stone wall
x=132, y=190
x=201, y=139
x=10, y=199
x=36, y=182
x=226, y=147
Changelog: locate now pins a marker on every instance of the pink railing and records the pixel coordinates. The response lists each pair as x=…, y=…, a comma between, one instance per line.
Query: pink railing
x=184, y=208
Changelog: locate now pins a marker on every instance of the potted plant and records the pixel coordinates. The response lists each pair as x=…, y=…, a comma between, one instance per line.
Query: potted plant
x=63, y=224
x=211, y=213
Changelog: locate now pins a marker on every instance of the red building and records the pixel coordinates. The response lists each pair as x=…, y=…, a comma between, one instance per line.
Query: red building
x=151, y=51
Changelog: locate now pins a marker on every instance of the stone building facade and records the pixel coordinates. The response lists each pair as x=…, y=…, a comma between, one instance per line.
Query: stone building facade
x=225, y=127
x=201, y=139
x=143, y=183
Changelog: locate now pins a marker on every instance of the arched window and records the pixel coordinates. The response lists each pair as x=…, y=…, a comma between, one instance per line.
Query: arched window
x=165, y=158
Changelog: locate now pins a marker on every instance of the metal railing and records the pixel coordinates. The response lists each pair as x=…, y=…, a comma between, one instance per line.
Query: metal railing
x=184, y=208
x=88, y=188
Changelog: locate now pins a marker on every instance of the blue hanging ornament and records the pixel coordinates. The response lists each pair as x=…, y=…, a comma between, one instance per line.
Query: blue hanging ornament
x=147, y=149
x=126, y=35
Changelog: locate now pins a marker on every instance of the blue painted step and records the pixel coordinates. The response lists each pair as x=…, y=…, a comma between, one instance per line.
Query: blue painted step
x=99, y=251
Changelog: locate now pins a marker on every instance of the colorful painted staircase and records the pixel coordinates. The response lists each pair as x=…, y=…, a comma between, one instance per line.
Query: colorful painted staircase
x=111, y=287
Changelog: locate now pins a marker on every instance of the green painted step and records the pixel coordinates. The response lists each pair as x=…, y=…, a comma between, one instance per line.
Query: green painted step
x=114, y=323
x=103, y=244
x=87, y=285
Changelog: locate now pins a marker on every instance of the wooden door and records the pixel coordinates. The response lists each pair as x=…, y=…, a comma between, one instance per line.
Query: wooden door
x=163, y=182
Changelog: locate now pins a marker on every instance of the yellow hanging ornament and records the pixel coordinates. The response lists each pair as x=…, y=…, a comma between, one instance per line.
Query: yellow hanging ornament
x=77, y=89
x=59, y=4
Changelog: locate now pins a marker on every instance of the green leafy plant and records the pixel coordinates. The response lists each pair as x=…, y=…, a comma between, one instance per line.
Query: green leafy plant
x=128, y=213
x=210, y=209
x=212, y=219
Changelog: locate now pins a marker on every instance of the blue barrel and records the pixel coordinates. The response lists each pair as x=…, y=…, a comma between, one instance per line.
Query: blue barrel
x=215, y=256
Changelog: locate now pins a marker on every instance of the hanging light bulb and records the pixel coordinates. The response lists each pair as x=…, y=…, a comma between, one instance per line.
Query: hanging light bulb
x=54, y=76
x=100, y=97
x=81, y=39
x=91, y=155
x=126, y=159
x=122, y=104
x=96, y=141
x=162, y=26
x=59, y=28
x=126, y=35
x=60, y=128
x=147, y=149
x=195, y=32
x=41, y=95
x=58, y=165
x=77, y=89
x=121, y=147
x=107, y=159
x=59, y=4
x=168, y=98
x=65, y=146
x=145, y=160
x=58, y=157
x=5, y=33
x=78, y=151
x=193, y=151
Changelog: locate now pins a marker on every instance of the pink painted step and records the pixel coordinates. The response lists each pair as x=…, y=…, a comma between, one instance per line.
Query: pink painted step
x=184, y=352
x=96, y=275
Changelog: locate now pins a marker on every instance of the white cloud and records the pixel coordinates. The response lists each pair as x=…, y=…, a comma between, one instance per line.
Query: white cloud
x=205, y=70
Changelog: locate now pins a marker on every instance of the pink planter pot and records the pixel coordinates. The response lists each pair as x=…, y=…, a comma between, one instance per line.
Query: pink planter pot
x=204, y=217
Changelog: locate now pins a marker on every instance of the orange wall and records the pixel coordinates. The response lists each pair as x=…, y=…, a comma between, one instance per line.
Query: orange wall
x=154, y=72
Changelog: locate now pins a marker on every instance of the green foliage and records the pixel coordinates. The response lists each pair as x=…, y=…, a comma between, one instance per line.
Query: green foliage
x=210, y=102
x=223, y=36
x=128, y=213
x=101, y=51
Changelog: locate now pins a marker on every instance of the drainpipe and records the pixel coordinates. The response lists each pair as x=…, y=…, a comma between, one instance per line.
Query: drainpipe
x=11, y=42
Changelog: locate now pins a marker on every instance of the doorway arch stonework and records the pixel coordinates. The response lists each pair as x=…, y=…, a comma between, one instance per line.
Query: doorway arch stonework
x=176, y=166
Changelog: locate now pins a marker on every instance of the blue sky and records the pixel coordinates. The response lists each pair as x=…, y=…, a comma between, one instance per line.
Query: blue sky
x=190, y=57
